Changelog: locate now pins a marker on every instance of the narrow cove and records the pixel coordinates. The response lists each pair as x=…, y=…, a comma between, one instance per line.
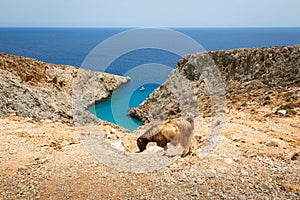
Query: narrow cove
x=114, y=109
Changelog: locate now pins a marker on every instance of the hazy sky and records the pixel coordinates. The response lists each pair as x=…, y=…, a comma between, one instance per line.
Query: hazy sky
x=150, y=13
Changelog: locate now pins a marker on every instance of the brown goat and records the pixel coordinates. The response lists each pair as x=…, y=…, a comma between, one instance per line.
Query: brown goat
x=176, y=131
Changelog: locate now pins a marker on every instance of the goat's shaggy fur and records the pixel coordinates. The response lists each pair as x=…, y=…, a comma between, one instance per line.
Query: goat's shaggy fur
x=176, y=131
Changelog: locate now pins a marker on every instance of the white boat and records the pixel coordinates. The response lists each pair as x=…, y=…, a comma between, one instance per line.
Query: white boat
x=142, y=89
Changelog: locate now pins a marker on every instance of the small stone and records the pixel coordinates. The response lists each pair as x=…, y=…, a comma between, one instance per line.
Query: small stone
x=241, y=198
x=274, y=143
x=198, y=138
x=43, y=160
x=228, y=161
x=113, y=130
x=244, y=172
x=265, y=187
x=105, y=175
x=65, y=143
x=236, y=139
x=295, y=156
x=154, y=149
x=202, y=188
x=281, y=112
x=21, y=168
x=118, y=145
x=252, y=155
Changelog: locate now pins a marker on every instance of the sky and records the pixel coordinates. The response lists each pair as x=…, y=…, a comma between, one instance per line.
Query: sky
x=150, y=13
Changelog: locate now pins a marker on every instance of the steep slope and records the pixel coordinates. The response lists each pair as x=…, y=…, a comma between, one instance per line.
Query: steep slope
x=42, y=91
x=256, y=74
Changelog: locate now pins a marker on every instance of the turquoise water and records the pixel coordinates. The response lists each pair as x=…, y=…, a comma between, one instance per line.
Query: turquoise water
x=72, y=45
x=147, y=68
x=108, y=110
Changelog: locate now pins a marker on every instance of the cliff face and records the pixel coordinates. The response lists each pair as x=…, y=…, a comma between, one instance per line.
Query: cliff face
x=256, y=72
x=42, y=91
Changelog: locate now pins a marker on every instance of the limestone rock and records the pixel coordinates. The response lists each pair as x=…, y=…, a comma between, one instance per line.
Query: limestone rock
x=275, y=143
x=240, y=69
x=57, y=93
x=281, y=112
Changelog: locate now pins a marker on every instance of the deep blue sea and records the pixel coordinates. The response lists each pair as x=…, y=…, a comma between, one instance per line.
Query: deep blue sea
x=73, y=45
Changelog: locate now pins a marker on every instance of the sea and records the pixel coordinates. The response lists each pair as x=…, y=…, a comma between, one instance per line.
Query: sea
x=74, y=46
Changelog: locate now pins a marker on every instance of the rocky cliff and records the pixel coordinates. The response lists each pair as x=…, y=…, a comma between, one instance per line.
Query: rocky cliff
x=42, y=91
x=257, y=74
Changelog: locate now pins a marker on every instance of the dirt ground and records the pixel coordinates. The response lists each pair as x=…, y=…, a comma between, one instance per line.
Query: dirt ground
x=257, y=157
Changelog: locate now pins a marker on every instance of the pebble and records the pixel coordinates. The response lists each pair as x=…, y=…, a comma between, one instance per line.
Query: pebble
x=43, y=160
x=241, y=198
x=154, y=149
x=252, y=155
x=244, y=172
x=118, y=145
x=21, y=168
x=236, y=139
x=105, y=175
x=265, y=187
x=281, y=112
x=295, y=156
x=113, y=130
x=228, y=161
x=274, y=143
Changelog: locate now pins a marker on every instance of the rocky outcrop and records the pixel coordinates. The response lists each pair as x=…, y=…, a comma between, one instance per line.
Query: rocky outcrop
x=60, y=93
x=240, y=71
